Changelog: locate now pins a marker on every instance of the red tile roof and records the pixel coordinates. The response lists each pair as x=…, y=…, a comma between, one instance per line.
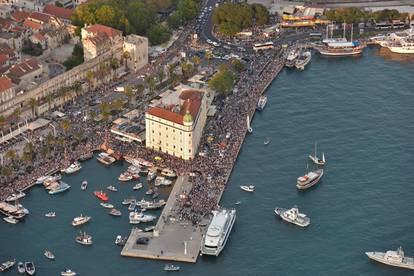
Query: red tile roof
x=5, y=83
x=23, y=68
x=5, y=23
x=3, y=59
x=45, y=18
x=19, y=16
x=58, y=11
x=32, y=25
x=98, y=28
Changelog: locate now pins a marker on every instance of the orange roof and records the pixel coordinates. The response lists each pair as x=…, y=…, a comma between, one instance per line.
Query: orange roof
x=3, y=59
x=19, y=16
x=5, y=83
x=32, y=25
x=42, y=17
x=39, y=36
x=58, y=11
x=98, y=28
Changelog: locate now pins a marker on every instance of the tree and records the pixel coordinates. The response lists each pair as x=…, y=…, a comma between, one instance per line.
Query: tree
x=63, y=93
x=6, y=171
x=151, y=83
x=233, y=17
x=140, y=88
x=2, y=119
x=158, y=34
x=187, y=69
x=161, y=75
x=44, y=152
x=261, y=14
x=129, y=93
x=125, y=56
x=222, y=81
x=117, y=105
x=77, y=88
x=107, y=15
x=49, y=99
x=238, y=66
x=17, y=112
x=33, y=104
x=65, y=125
x=105, y=110
x=114, y=64
x=196, y=60
x=208, y=55
x=11, y=154
x=89, y=78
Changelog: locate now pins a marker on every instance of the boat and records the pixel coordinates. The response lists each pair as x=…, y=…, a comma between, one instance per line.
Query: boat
x=14, y=197
x=143, y=170
x=84, y=185
x=249, y=188
x=136, y=217
x=11, y=220
x=80, y=220
x=68, y=272
x=155, y=195
x=168, y=173
x=7, y=265
x=132, y=205
x=237, y=203
x=401, y=42
x=315, y=159
x=303, y=59
x=149, y=228
x=62, y=187
x=105, y=158
x=151, y=205
x=84, y=239
x=128, y=201
x=310, y=179
x=30, y=268
x=262, y=102
x=119, y=240
x=73, y=168
x=267, y=141
x=149, y=192
x=137, y=186
x=115, y=213
x=20, y=268
x=48, y=254
x=392, y=258
x=170, y=267
x=112, y=188
x=218, y=231
x=293, y=216
x=126, y=176
x=249, y=128
x=161, y=180
x=50, y=215
x=291, y=57
x=101, y=195
x=41, y=179
x=106, y=205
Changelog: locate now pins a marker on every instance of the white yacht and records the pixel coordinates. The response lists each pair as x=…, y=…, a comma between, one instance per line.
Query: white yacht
x=14, y=196
x=11, y=220
x=73, y=168
x=84, y=185
x=249, y=188
x=262, y=102
x=137, y=186
x=50, y=214
x=218, y=231
x=293, y=216
x=68, y=272
x=308, y=180
x=315, y=159
x=84, y=239
x=136, y=217
x=80, y=220
x=393, y=258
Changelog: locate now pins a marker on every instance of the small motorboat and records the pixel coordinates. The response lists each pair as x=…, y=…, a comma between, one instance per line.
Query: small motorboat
x=112, y=188
x=249, y=188
x=7, y=265
x=11, y=220
x=237, y=203
x=132, y=205
x=68, y=272
x=115, y=213
x=80, y=220
x=106, y=205
x=149, y=192
x=84, y=239
x=267, y=141
x=171, y=267
x=128, y=200
x=120, y=240
x=84, y=185
x=101, y=195
x=125, y=177
x=14, y=196
x=155, y=195
x=30, y=268
x=137, y=186
x=152, y=174
x=20, y=268
x=149, y=228
x=48, y=254
x=50, y=215
x=73, y=168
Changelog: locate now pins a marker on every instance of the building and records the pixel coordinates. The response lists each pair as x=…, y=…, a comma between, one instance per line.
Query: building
x=98, y=39
x=13, y=40
x=56, y=37
x=137, y=47
x=5, y=10
x=30, y=5
x=175, y=124
x=25, y=72
x=9, y=53
x=6, y=92
x=58, y=12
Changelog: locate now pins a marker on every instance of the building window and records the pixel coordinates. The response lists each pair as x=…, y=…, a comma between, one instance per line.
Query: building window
x=189, y=151
x=189, y=135
x=174, y=146
x=159, y=133
x=181, y=149
x=152, y=131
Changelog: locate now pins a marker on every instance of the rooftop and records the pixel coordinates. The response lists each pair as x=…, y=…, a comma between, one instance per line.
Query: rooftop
x=32, y=25
x=19, y=16
x=58, y=11
x=39, y=16
x=23, y=68
x=98, y=28
x=5, y=83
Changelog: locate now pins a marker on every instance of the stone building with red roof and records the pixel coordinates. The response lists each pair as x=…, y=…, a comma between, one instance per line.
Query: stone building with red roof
x=7, y=91
x=98, y=39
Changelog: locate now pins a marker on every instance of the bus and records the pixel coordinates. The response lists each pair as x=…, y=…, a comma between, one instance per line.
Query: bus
x=263, y=46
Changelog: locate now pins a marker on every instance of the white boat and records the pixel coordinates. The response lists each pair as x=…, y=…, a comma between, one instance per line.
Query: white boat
x=308, y=180
x=291, y=57
x=315, y=159
x=218, y=231
x=84, y=239
x=137, y=186
x=126, y=176
x=80, y=220
x=48, y=254
x=7, y=265
x=112, y=188
x=132, y=205
x=168, y=173
x=303, y=60
x=84, y=185
x=249, y=128
x=170, y=267
x=152, y=174
x=50, y=214
x=14, y=196
x=73, y=168
x=150, y=205
x=162, y=181
x=68, y=272
x=115, y=213
x=136, y=217
x=60, y=188
x=293, y=216
x=249, y=188
x=128, y=201
x=105, y=158
x=106, y=205
x=392, y=258
x=20, y=268
x=262, y=102
x=11, y=220
x=404, y=46
x=267, y=141
x=149, y=228
x=41, y=179
x=119, y=240
x=30, y=268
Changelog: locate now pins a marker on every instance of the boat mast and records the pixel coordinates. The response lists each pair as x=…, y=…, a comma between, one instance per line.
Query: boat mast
x=344, y=26
x=316, y=144
x=352, y=31
x=327, y=31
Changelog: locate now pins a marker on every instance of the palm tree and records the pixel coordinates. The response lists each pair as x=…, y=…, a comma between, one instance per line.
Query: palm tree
x=11, y=154
x=77, y=88
x=2, y=120
x=7, y=171
x=92, y=115
x=65, y=125
x=29, y=149
x=44, y=152
x=140, y=88
x=17, y=112
x=49, y=99
x=129, y=93
x=171, y=69
x=104, y=106
x=151, y=83
x=114, y=65
x=126, y=55
x=209, y=56
x=161, y=75
x=89, y=78
x=196, y=60
x=33, y=105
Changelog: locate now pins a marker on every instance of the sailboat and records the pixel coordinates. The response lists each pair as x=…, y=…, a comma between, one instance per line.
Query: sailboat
x=315, y=159
x=249, y=128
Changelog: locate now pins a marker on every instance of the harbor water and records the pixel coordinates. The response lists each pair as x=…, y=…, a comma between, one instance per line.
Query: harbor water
x=361, y=113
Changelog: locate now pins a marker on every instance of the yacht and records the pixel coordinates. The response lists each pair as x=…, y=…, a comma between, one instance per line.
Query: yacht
x=137, y=186
x=73, y=168
x=11, y=220
x=50, y=215
x=7, y=265
x=105, y=159
x=132, y=205
x=30, y=268
x=126, y=176
x=149, y=228
x=392, y=258
x=247, y=188
x=127, y=201
x=80, y=220
x=115, y=213
x=14, y=196
x=303, y=59
x=101, y=195
x=161, y=180
x=315, y=159
x=171, y=267
x=152, y=174
x=84, y=239
x=262, y=102
x=68, y=272
x=310, y=179
x=48, y=254
x=291, y=58
x=293, y=216
x=168, y=173
x=112, y=188
x=20, y=268
x=150, y=205
x=106, y=205
x=135, y=218
x=62, y=187
x=403, y=46
x=218, y=231
x=84, y=185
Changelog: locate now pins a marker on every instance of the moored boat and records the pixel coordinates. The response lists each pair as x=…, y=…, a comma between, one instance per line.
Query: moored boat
x=137, y=186
x=11, y=220
x=152, y=174
x=15, y=196
x=310, y=179
x=293, y=216
x=262, y=102
x=73, y=168
x=128, y=200
x=115, y=212
x=80, y=220
x=119, y=240
x=149, y=228
x=30, y=268
x=171, y=267
x=48, y=254
x=291, y=57
x=20, y=268
x=304, y=58
x=392, y=258
x=106, y=205
x=101, y=195
x=84, y=185
x=168, y=173
x=84, y=239
x=60, y=188
x=124, y=177
x=68, y=272
x=7, y=265
x=136, y=217
x=249, y=188
x=105, y=158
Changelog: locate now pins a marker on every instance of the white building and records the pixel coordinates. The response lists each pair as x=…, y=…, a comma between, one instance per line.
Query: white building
x=137, y=47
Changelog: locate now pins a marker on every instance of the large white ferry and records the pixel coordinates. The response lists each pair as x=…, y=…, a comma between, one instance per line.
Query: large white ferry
x=398, y=42
x=218, y=231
